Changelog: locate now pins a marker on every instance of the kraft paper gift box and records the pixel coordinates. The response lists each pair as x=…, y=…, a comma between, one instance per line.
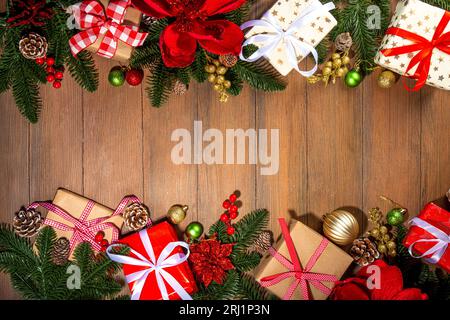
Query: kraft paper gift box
x=75, y=204
x=286, y=12
x=333, y=261
x=421, y=19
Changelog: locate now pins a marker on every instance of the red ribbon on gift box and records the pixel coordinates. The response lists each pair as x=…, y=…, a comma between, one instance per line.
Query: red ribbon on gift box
x=422, y=59
x=301, y=277
x=96, y=22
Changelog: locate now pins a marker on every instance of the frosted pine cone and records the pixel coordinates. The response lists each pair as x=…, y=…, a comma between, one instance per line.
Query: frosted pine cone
x=262, y=243
x=343, y=42
x=27, y=222
x=364, y=251
x=33, y=46
x=136, y=216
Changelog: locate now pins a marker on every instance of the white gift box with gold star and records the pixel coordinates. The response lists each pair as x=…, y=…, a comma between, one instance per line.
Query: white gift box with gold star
x=422, y=19
x=285, y=12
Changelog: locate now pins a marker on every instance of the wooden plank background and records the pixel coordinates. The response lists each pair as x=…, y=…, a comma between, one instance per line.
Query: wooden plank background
x=339, y=147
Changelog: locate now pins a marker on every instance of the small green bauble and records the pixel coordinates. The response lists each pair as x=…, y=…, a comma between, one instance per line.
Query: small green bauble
x=194, y=230
x=353, y=78
x=395, y=217
x=116, y=77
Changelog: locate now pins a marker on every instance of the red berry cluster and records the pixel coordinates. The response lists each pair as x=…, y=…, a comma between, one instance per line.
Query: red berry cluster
x=100, y=239
x=54, y=74
x=231, y=213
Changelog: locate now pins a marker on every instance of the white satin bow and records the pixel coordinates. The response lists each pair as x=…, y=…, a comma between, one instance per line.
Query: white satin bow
x=165, y=260
x=269, y=41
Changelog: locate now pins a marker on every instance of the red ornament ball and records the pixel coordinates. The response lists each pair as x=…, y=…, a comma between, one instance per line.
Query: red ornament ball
x=50, y=77
x=50, y=69
x=40, y=61
x=233, y=208
x=233, y=215
x=50, y=61
x=233, y=198
x=230, y=231
x=59, y=75
x=226, y=204
x=99, y=236
x=57, y=84
x=134, y=77
x=224, y=217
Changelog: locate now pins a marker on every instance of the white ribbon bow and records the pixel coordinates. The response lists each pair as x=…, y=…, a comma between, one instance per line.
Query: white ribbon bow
x=275, y=35
x=165, y=260
x=441, y=238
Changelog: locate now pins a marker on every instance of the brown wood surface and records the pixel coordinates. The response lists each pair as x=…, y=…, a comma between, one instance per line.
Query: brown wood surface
x=339, y=147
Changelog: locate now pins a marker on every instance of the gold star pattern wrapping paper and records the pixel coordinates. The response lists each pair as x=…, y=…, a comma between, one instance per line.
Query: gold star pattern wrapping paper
x=421, y=19
x=285, y=12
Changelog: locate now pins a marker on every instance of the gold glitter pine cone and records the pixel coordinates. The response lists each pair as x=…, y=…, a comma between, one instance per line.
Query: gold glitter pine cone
x=136, y=216
x=33, y=46
x=27, y=223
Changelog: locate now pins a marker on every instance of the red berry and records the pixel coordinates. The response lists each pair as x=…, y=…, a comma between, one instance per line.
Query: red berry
x=233, y=208
x=99, y=236
x=50, y=69
x=134, y=77
x=50, y=77
x=230, y=231
x=233, y=198
x=57, y=84
x=103, y=249
x=226, y=204
x=50, y=61
x=224, y=217
x=104, y=243
x=59, y=75
x=233, y=215
x=40, y=61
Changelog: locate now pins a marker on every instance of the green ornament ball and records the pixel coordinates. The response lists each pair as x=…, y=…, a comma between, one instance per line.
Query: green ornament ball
x=353, y=78
x=194, y=230
x=116, y=77
x=395, y=217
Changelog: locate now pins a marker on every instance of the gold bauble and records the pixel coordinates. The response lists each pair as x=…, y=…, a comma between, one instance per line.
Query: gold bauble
x=177, y=213
x=341, y=227
x=386, y=79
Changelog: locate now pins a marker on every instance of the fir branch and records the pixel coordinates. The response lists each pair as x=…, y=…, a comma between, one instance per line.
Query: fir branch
x=228, y=290
x=236, y=83
x=248, y=228
x=385, y=7
x=83, y=70
x=250, y=289
x=443, y=4
x=245, y=261
x=240, y=15
x=159, y=85
x=155, y=30
x=259, y=76
x=145, y=56
x=197, y=68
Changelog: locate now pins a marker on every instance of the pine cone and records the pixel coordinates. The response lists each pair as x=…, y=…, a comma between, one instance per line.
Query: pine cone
x=61, y=251
x=228, y=60
x=343, y=42
x=364, y=251
x=262, y=243
x=27, y=222
x=179, y=88
x=33, y=46
x=136, y=216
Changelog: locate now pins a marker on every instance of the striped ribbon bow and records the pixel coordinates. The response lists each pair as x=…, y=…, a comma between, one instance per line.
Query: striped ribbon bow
x=84, y=230
x=96, y=22
x=301, y=277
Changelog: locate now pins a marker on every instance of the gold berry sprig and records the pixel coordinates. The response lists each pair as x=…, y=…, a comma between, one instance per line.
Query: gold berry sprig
x=336, y=67
x=216, y=76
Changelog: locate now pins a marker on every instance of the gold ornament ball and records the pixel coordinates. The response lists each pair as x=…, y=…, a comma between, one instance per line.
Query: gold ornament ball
x=329, y=64
x=386, y=238
x=340, y=72
x=222, y=70
x=386, y=79
x=346, y=60
x=210, y=68
x=383, y=230
x=212, y=78
x=220, y=79
x=335, y=56
x=177, y=213
x=391, y=245
x=326, y=71
x=216, y=63
x=375, y=233
x=337, y=63
x=218, y=87
x=341, y=227
x=382, y=248
x=227, y=84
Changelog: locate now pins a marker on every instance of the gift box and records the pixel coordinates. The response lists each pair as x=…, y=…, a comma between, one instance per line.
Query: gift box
x=115, y=40
x=303, y=265
x=156, y=267
x=416, y=44
x=79, y=219
x=305, y=23
x=428, y=236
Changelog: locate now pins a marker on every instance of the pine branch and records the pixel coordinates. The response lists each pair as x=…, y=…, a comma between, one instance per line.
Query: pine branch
x=443, y=4
x=250, y=289
x=197, y=68
x=228, y=290
x=145, y=56
x=248, y=228
x=245, y=261
x=240, y=15
x=236, y=83
x=83, y=70
x=385, y=7
x=259, y=76
x=159, y=85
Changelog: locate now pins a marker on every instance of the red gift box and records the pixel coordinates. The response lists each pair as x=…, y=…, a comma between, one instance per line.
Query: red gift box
x=156, y=267
x=428, y=236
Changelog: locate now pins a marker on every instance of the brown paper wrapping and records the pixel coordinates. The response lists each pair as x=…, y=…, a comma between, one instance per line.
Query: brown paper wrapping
x=332, y=261
x=124, y=51
x=74, y=204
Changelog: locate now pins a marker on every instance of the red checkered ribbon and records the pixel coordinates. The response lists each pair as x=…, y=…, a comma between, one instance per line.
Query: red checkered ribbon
x=82, y=228
x=95, y=22
x=301, y=277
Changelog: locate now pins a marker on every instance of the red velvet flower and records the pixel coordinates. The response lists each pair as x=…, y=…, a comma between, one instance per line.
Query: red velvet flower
x=390, y=286
x=178, y=42
x=209, y=259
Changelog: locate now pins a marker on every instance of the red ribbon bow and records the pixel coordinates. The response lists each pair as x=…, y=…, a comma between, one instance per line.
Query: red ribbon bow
x=425, y=47
x=301, y=277
x=96, y=22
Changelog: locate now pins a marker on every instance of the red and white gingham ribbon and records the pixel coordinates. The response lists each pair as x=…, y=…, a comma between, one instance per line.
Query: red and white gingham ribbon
x=84, y=229
x=96, y=22
x=302, y=277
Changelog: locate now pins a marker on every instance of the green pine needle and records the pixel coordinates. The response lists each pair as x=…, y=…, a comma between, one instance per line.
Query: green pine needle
x=159, y=85
x=259, y=75
x=443, y=4
x=250, y=289
x=83, y=70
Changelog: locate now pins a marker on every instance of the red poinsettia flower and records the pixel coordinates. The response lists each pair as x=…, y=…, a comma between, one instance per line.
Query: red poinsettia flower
x=390, y=286
x=210, y=262
x=178, y=42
